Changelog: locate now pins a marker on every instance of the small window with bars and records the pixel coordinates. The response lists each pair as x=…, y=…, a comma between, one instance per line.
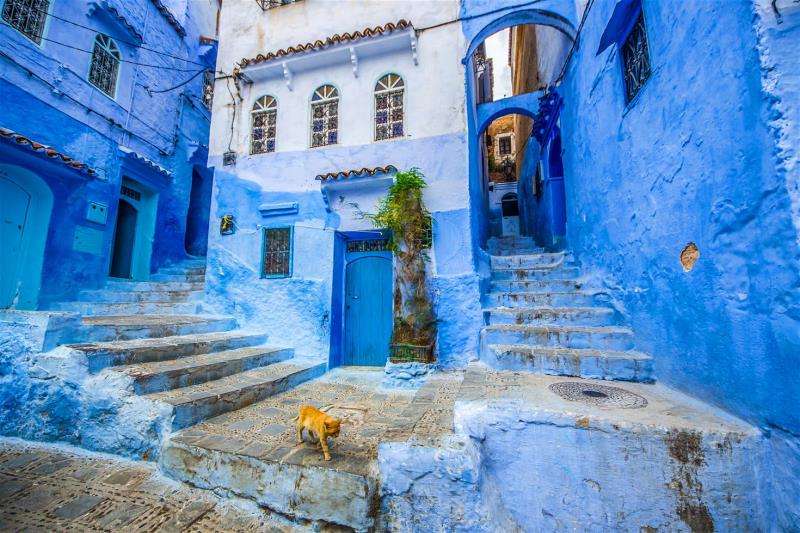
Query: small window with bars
x=505, y=145
x=277, y=253
x=389, y=94
x=325, y=116
x=635, y=59
x=104, y=69
x=264, y=122
x=27, y=16
x=372, y=245
x=208, y=88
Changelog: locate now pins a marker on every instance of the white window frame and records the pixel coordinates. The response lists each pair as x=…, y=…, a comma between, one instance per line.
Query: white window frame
x=107, y=45
x=264, y=105
x=324, y=95
x=388, y=89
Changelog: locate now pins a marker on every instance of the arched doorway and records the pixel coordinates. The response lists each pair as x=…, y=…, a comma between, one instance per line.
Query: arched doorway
x=124, y=240
x=196, y=241
x=25, y=209
x=509, y=208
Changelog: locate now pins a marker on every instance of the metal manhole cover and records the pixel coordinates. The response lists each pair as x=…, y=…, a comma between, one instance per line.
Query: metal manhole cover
x=600, y=395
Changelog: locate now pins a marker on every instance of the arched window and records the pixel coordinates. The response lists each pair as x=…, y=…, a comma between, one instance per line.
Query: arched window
x=104, y=69
x=389, y=107
x=264, y=118
x=325, y=116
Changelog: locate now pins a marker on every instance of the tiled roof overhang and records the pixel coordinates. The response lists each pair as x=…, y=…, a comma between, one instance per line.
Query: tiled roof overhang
x=46, y=151
x=319, y=44
x=170, y=17
x=344, y=174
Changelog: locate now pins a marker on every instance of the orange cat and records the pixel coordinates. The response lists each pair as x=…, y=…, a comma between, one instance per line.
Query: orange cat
x=317, y=422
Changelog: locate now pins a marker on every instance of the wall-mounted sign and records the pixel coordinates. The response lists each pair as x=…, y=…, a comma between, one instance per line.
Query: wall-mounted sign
x=226, y=225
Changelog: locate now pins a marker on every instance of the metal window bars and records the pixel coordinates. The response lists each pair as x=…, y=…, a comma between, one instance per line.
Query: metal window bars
x=27, y=16
x=277, y=260
x=389, y=94
x=105, y=64
x=635, y=59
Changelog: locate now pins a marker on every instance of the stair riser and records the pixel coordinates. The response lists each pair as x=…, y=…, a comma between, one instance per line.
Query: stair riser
x=184, y=378
x=152, y=286
x=528, y=261
x=124, y=333
x=190, y=414
x=535, y=285
x=193, y=271
x=590, y=367
x=103, y=359
x=544, y=299
x=571, y=339
x=521, y=250
x=575, y=318
x=154, y=296
x=180, y=278
x=564, y=272
x=115, y=309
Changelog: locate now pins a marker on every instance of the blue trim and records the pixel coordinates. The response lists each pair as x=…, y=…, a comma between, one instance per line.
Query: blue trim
x=274, y=210
x=264, y=249
x=620, y=24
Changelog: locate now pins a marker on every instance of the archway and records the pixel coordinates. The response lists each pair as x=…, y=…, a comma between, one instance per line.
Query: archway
x=197, y=217
x=24, y=222
x=124, y=240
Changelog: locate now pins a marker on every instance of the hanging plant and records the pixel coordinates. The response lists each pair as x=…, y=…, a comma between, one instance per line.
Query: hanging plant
x=403, y=212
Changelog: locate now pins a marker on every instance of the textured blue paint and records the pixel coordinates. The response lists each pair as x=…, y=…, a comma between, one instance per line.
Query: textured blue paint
x=54, y=104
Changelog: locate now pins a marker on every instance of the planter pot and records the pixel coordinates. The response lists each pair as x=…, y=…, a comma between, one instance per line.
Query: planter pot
x=411, y=353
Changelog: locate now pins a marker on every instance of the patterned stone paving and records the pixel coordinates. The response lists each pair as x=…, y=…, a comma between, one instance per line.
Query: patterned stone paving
x=52, y=488
x=369, y=414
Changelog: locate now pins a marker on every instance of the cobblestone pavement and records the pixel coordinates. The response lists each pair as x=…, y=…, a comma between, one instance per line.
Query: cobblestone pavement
x=369, y=413
x=53, y=488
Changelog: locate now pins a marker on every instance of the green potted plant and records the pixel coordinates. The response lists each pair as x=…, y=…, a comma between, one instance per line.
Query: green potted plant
x=402, y=211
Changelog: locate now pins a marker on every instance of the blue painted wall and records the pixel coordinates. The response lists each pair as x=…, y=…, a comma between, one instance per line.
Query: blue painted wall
x=54, y=104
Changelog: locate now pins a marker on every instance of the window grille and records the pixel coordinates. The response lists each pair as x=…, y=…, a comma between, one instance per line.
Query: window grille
x=105, y=64
x=27, y=16
x=269, y=4
x=389, y=107
x=374, y=245
x=277, y=255
x=264, y=122
x=325, y=116
x=505, y=145
x=130, y=193
x=635, y=59
x=208, y=88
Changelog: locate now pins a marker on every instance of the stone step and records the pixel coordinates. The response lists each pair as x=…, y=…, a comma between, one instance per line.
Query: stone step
x=127, y=296
x=189, y=271
x=117, y=353
x=517, y=250
x=127, y=327
x=116, y=285
x=198, y=402
x=543, y=299
x=199, y=262
x=558, y=336
x=535, y=285
x=585, y=363
x=529, y=260
x=180, y=278
x=583, y=316
x=131, y=308
x=521, y=274
x=162, y=376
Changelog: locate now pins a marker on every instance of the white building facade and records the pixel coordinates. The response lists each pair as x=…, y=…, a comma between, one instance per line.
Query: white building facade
x=321, y=104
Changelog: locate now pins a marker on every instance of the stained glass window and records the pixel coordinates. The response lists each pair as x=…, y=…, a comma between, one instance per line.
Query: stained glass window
x=104, y=69
x=264, y=120
x=389, y=107
x=325, y=116
x=27, y=16
x=635, y=59
x=277, y=256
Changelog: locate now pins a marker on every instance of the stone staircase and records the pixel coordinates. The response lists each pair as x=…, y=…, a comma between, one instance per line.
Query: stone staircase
x=151, y=335
x=539, y=317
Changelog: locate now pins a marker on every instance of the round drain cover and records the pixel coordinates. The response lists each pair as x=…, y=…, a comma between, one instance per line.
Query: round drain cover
x=600, y=395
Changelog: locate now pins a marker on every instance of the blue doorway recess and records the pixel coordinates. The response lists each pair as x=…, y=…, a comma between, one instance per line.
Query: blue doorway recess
x=367, y=308
x=24, y=220
x=124, y=240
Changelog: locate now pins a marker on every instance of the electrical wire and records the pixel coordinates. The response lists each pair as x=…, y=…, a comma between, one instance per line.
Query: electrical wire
x=129, y=43
x=149, y=91
x=91, y=52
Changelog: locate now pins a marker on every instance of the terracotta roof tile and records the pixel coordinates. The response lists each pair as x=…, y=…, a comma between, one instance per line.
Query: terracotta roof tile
x=46, y=151
x=328, y=41
x=344, y=174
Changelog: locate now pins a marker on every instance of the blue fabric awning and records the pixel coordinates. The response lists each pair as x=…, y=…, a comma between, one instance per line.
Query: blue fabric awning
x=619, y=26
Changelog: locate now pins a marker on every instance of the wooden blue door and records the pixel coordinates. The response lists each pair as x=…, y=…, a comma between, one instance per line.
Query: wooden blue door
x=368, y=311
x=13, y=216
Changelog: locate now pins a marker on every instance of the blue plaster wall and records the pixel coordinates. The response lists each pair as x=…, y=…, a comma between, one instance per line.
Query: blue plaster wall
x=47, y=98
x=302, y=311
